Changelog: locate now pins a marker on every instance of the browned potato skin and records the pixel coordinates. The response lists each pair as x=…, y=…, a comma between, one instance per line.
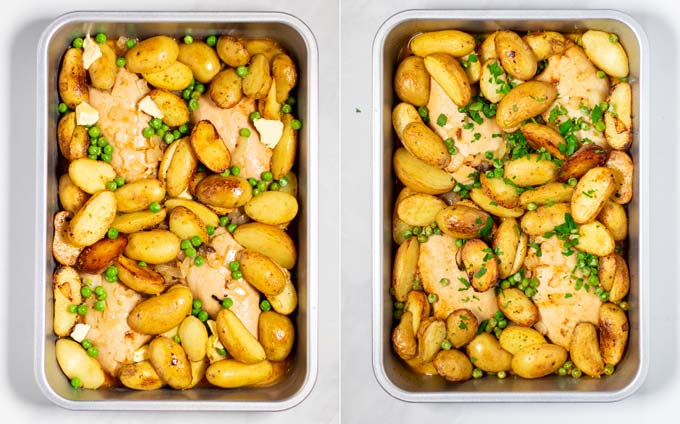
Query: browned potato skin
x=63, y=251
x=267, y=47
x=614, y=217
x=225, y=192
x=523, y=102
x=587, y=157
x=175, y=111
x=417, y=304
x=73, y=88
x=170, y=361
x=453, y=365
x=584, y=350
x=502, y=193
x=285, y=75
x=515, y=55
x=276, y=334
x=614, y=276
x=283, y=156
x=449, y=73
x=517, y=306
x=425, y=144
x=488, y=354
x=404, y=339
x=138, y=278
x=159, y=314
x=232, y=51
x=104, y=70
x=404, y=268
x=431, y=334
x=538, y=360
x=461, y=327
x=622, y=165
x=544, y=219
x=262, y=272
x=472, y=254
x=545, y=43
x=543, y=136
x=154, y=54
x=461, y=221
x=256, y=83
x=613, y=331
x=201, y=58
x=209, y=147
x=419, y=176
x=412, y=82
x=140, y=376
x=71, y=197
x=95, y=258
x=591, y=194
x=225, y=89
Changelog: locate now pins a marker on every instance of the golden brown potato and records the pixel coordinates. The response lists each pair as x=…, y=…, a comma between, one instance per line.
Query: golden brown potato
x=193, y=337
x=425, y=144
x=170, y=361
x=161, y=313
x=453, y=365
x=516, y=337
x=538, y=360
x=181, y=166
x=530, y=170
x=523, y=102
x=268, y=107
x=225, y=192
x=226, y=89
x=265, y=46
x=241, y=345
x=174, y=78
x=139, y=278
x=73, y=88
x=614, y=277
x=140, y=376
x=587, y=157
x=492, y=85
x=155, y=54
x=402, y=115
x=613, y=216
x=515, y=55
x=285, y=302
x=584, y=350
x=622, y=166
x=487, y=354
x=506, y=239
x=207, y=216
x=284, y=76
x=153, y=247
x=594, y=238
x=605, y=51
x=90, y=175
x=269, y=240
x=448, y=73
x=66, y=283
x=613, y=332
x=420, y=209
x=487, y=50
x=591, y=193
x=545, y=43
x=452, y=42
x=490, y=205
x=461, y=327
x=232, y=51
x=542, y=136
x=185, y=224
x=404, y=269
x=137, y=221
x=95, y=258
x=412, y=82
x=138, y=195
x=517, y=306
x=544, y=219
x=500, y=191
x=618, y=121
x=276, y=333
x=63, y=250
x=201, y=59
x=417, y=304
x=93, y=220
x=256, y=83
x=461, y=221
x=272, y=207
x=73, y=139
x=481, y=269
x=472, y=66
x=104, y=70
x=431, y=334
x=175, y=111
x=71, y=197
x=209, y=147
x=404, y=339
x=262, y=272
x=230, y=374
x=419, y=176
x=550, y=193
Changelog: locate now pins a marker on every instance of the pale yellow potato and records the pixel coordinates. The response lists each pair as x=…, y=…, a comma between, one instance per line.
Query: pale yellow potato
x=487, y=354
x=431, y=334
x=170, y=361
x=176, y=77
x=286, y=301
x=517, y=337
x=65, y=130
x=544, y=219
x=530, y=170
x=232, y=51
x=523, y=102
x=153, y=246
x=517, y=306
x=402, y=115
x=185, y=224
x=236, y=338
x=453, y=365
x=269, y=107
x=399, y=227
x=209, y=147
x=201, y=59
x=461, y=327
x=140, y=376
x=492, y=86
x=419, y=176
x=262, y=272
x=272, y=207
x=605, y=51
x=584, y=350
x=594, y=238
x=174, y=109
x=549, y=193
x=448, y=73
x=591, y=193
x=198, y=369
x=226, y=88
x=506, y=239
x=425, y=144
x=482, y=274
x=265, y=46
x=490, y=205
x=194, y=338
x=137, y=221
x=276, y=333
x=90, y=175
x=501, y=192
x=138, y=195
x=71, y=197
x=404, y=268
x=420, y=209
x=422, y=368
x=542, y=136
x=452, y=42
x=283, y=155
x=73, y=88
x=161, y=313
x=412, y=82
x=545, y=43
x=166, y=160
x=75, y=362
x=614, y=217
x=462, y=221
x=94, y=259
x=66, y=283
x=181, y=166
x=487, y=50
x=154, y=54
x=623, y=168
x=515, y=55
x=619, y=121
x=104, y=70
x=207, y=216
x=521, y=253
x=538, y=360
x=417, y=304
x=614, y=276
x=268, y=240
x=613, y=331
x=139, y=278
x=230, y=374
x=284, y=74
x=62, y=249
x=404, y=340
x=473, y=68
x=93, y=220
x=256, y=83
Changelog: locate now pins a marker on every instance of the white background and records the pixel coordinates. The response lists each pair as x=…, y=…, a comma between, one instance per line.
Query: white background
x=363, y=400
x=20, y=399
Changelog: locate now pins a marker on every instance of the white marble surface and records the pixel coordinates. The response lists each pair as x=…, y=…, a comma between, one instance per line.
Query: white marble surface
x=363, y=400
x=20, y=398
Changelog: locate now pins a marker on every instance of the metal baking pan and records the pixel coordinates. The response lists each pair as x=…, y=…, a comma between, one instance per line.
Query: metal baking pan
x=297, y=38
x=392, y=373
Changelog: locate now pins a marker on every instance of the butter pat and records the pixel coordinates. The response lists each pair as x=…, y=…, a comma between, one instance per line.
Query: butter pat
x=91, y=52
x=270, y=131
x=86, y=115
x=80, y=332
x=141, y=354
x=148, y=106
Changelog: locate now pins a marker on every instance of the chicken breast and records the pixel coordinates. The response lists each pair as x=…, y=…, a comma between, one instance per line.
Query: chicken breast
x=110, y=332
x=459, y=127
x=437, y=260
x=560, y=306
x=248, y=153
x=211, y=282
x=577, y=83
x=134, y=157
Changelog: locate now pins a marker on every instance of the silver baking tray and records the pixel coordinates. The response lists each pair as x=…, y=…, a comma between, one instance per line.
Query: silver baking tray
x=299, y=41
x=392, y=373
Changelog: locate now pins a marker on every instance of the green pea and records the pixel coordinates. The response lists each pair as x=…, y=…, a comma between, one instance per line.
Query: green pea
x=160, y=132
x=190, y=251
x=94, y=131
x=185, y=244
x=72, y=309
x=608, y=369
x=211, y=40
x=120, y=62
x=572, y=181
x=224, y=220
x=296, y=124
x=231, y=227
x=235, y=170
x=274, y=186
x=186, y=94
x=195, y=311
x=241, y=71
x=111, y=279
x=78, y=42
x=604, y=296
x=406, y=234
x=501, y=374
x=210, y=230
x=76, y=383
x=397, y=314
x=82, y=310
x=624, y=305
x=262, y=186
x=100, y=38
x=422, y=238
x=244, y=132
x=148, y=132
x=108, y=150
x=155, y=207
x=156, y=123
x=99, y=290
x=265, y=305
x=199, y=261
x=255, y=115
x=267, y=176
x=291, y=100
x=176, y=339
x=200, y=88
x=193, y=104
x=576, y=373
x=62, y=108
x=196, y=241
x=477, y=373
x=196, y=95
x=188, y=39
x=183, y=129
x=431, y=297
x=93, y=352
x=399, y=305
x=502, y=323
x=568, y=365
x=197, y=304
x=237, y=275
x=532, y=206
x=102, y=296
x=111, y=186
x=111, y=271
x=227, y=302
x=86, y=291
x=86, y=344
x=222, y=351
x=112, y=233
x=283, y=181
x=234, y=265
x=141, y=263
x=256, y=192
x=561, y=371
x=203, y=316
x=446, y=345
x=93, y=150
x=120, y=181
x=286, y=109
x=131, y=43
